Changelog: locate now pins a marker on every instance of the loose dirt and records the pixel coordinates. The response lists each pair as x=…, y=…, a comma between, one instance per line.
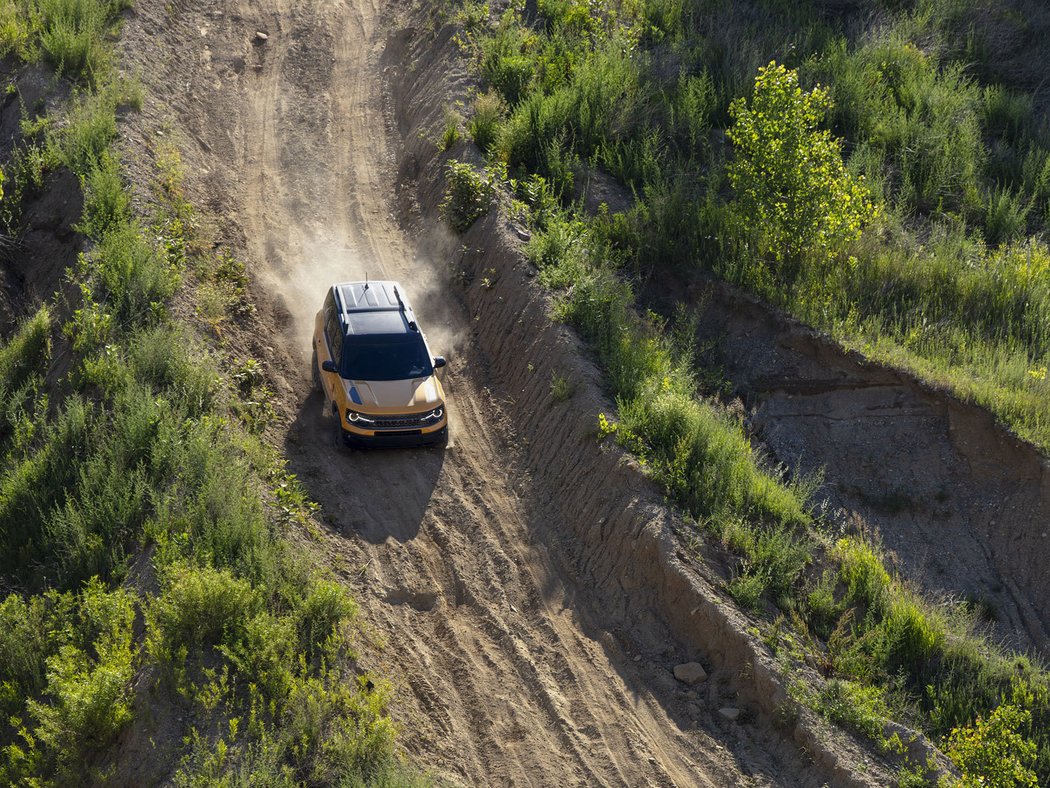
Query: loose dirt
x=525, y=585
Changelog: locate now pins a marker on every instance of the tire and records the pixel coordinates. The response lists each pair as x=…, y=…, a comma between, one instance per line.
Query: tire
x=337, y=432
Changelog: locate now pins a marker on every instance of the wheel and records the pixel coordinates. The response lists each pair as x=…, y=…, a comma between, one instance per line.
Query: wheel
x=337, y=433
x=315, y=374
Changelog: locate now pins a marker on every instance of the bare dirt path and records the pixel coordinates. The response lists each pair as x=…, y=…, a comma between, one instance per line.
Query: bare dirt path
x=503, y=669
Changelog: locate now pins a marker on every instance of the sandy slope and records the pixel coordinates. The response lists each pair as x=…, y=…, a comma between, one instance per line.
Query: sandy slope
x=503, y=666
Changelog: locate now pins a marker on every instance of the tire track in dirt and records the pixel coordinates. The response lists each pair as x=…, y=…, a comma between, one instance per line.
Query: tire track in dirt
x=502, y=669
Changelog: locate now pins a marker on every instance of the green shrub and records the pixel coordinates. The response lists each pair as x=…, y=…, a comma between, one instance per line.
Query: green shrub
x=91, y=125
x=133, y=273
x=924, y=120
x=503, y=64
x=24, y=648
x=855, y=706
x=993, y=752
x=1005, y=217
x=450, y=133
x=73, y=34
x=469, y=194
x=166, y=359
x=88, y=683
x=326, y=608
x=198, y=607
x=27, y=351
x=106, y=202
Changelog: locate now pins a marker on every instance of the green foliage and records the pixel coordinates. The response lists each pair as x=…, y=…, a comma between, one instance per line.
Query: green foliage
x=993, y=752
x=484, y=126
x=855, y=706
x=107, y=205
x=86, y=689
x=71, y=34
x=918, y=126
x=469, y=194
x=450, y=133
x=562, y=389
x=89, y=688
x=788, y=174
x=198, y=608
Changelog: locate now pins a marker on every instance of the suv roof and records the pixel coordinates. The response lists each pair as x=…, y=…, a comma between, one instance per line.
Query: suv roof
x=373, y=308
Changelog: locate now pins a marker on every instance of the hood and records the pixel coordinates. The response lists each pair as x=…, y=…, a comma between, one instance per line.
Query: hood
x=395, y=396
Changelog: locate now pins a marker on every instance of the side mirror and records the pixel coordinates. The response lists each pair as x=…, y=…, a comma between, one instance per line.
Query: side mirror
x=329, y=366
x=439, y=362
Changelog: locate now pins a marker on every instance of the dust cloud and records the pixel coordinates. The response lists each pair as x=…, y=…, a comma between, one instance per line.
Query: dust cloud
x=301, y=275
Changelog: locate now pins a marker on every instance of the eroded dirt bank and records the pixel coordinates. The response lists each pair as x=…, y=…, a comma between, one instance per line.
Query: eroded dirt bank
x=524, y=583
x=962, y=506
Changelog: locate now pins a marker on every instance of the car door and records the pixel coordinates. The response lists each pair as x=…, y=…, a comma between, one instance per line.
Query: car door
x=333, y=338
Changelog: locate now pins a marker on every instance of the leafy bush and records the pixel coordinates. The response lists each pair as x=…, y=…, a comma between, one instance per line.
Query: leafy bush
x=73, y=33
x=469, y=194
x=199, y=607
x=993, y=752
x=106, y=203
x=88, y=683
x=485, y=123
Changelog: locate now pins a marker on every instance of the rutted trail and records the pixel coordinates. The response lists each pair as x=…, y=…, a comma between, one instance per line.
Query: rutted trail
x=504, y=669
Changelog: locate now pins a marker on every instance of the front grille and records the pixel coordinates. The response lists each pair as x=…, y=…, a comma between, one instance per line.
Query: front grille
x=397, y=422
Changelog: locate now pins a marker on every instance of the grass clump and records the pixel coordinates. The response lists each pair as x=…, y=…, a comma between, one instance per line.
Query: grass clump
x=73, y=35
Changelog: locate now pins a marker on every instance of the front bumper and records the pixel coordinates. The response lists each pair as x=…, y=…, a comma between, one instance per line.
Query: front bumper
x=437, y=436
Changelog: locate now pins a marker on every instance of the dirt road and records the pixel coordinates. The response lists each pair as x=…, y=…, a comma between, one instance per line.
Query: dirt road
x=503, y=666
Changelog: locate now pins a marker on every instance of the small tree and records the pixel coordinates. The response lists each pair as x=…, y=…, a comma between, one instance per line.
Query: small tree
x=791, y=185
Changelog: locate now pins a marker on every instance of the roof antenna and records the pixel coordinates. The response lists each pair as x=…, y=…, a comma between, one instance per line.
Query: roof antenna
x=366, y=280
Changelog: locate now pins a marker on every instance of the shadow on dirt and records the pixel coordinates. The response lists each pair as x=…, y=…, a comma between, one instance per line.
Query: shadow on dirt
x=377, y=494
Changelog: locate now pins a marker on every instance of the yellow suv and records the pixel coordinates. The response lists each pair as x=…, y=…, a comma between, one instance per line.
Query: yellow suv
x=375, y=368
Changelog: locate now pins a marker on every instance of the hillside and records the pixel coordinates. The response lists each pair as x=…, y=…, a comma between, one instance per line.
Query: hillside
x=802, y=448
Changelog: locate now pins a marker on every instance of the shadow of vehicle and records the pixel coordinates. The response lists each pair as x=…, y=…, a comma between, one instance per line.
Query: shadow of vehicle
x=378, y=494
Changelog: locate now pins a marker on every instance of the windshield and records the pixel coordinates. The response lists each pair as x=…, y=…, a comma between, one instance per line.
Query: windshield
x=394, y=358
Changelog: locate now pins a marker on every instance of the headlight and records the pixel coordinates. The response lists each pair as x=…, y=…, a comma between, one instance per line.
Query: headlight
x=434, y=415
x=354, y=417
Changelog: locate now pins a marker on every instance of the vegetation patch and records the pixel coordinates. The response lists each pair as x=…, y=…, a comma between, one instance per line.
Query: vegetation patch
x=142, y=521
x=914, y=238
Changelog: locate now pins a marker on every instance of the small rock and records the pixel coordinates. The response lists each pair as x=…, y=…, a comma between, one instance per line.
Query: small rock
x=730, y=713
x=690, y=673
x=261, y=37
x=637, y=657
x=691, y=695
